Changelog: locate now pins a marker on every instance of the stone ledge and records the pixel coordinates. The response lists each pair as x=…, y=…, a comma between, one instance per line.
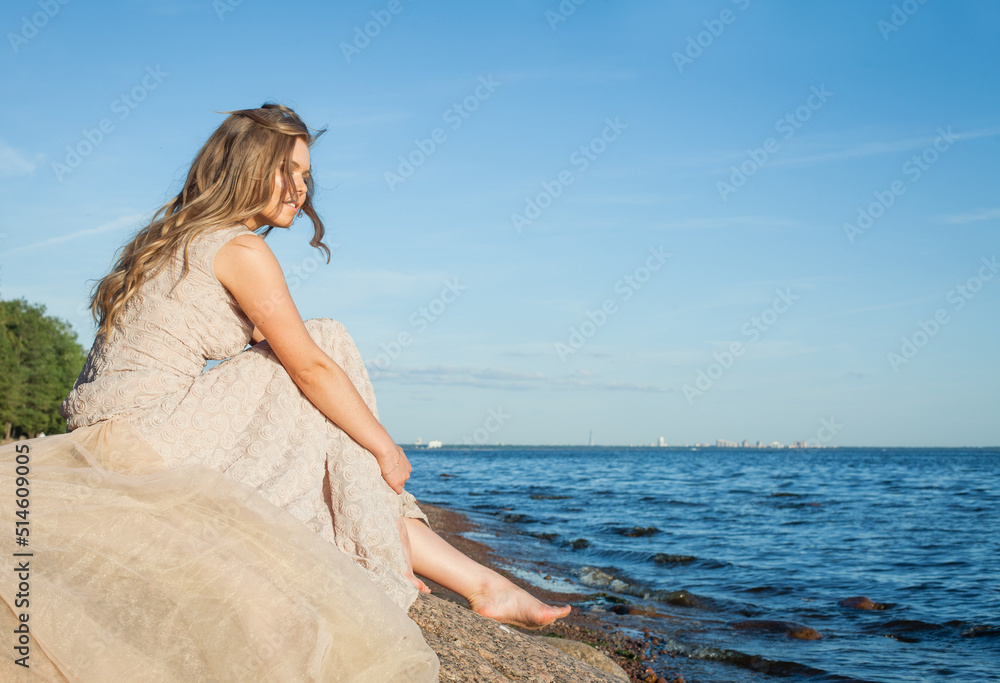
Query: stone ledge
x=473, y=648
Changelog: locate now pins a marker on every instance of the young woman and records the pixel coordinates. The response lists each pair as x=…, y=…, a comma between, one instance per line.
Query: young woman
x=293, y=417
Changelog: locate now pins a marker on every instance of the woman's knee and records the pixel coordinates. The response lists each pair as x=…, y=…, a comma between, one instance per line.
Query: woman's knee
x=321, y=326
x=330, y=335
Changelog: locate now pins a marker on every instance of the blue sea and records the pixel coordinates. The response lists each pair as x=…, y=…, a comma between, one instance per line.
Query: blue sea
x=702, y=539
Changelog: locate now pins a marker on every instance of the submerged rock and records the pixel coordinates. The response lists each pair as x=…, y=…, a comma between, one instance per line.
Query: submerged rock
x=598, y=578
x=981, y=630
x=861, y=602
x=907, y=630
x=515, y=517
x=789, y=628
x=613, y=599
x=635, y=611
x=681, y=598
x=664, y=558
x=580, y=544
x=640, y=531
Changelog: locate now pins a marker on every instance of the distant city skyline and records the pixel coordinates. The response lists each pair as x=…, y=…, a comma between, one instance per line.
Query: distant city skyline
x=738, y=220
x=662, y=442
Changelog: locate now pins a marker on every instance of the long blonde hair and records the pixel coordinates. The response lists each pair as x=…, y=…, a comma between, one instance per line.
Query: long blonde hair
x=230, y=180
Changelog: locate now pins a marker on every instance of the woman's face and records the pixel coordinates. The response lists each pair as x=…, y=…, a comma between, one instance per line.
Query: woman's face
x=281, y=210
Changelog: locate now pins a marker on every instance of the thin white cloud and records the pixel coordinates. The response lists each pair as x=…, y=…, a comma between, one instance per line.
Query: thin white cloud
x=14, y=163
x=721, y=159
x=121, y=223
x=620, y=199
x=884, y=307
x=974, y=217
x=730, y=222
x=874, y=148
x=372, y=119
x=498, y=379
x=583, y=73
x=367, y=283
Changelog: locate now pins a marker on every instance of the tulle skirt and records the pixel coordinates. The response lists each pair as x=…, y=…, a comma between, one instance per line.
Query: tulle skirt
x=119, y=569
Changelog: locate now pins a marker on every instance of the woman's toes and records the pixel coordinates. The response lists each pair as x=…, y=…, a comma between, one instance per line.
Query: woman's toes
x=512, y=605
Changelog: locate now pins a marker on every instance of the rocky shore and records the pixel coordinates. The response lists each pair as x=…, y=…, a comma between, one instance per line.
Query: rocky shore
x=577, y=648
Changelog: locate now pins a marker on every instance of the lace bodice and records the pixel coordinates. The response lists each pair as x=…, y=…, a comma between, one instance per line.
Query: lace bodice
x=163, y=339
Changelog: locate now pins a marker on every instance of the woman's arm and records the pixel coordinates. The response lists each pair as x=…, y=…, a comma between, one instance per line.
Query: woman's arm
x=248, y=269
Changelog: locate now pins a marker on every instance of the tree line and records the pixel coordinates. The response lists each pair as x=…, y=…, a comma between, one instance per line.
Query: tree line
x=40, y=360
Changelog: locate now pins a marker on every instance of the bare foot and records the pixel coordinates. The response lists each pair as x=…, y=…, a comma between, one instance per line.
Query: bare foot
x=509, y=604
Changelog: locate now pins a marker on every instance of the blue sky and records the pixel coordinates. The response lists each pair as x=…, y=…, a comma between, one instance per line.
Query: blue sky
x=715, y=220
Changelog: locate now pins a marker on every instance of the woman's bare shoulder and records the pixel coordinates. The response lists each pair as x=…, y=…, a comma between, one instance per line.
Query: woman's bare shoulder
x=247, y=240
x=246, y=251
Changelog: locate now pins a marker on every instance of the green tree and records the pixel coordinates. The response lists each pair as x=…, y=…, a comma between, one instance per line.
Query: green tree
x=39, y=363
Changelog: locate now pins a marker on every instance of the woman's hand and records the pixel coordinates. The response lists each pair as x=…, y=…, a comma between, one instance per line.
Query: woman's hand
x=395, y=470
x=247, y=268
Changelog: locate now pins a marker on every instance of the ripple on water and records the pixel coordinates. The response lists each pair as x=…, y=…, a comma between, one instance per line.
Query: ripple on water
x=764, y=665
x=738, y=532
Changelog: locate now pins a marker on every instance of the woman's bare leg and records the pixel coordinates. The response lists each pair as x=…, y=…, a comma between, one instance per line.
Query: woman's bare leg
x=408, y=553
x=488, y=593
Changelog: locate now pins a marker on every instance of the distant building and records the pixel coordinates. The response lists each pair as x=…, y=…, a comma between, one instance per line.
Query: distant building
x=418, y=442
x=721, y=443
x=746, y=444
x=663, y=443
x=434, y=444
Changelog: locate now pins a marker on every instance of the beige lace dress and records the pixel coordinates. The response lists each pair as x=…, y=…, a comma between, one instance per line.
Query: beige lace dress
x=244, y=417
x=179, y=532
